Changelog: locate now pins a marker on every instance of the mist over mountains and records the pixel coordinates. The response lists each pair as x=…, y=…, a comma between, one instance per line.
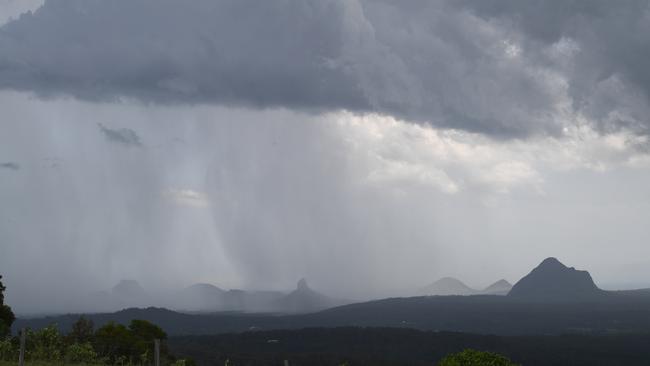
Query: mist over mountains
x=190, y=163
x=204, y=297
x=551, y=299
x=550, y=281
x=451, y=286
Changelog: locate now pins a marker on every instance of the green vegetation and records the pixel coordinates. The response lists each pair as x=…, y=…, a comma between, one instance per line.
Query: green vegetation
x=470, y=357
x=6, y=315
x=111, y=344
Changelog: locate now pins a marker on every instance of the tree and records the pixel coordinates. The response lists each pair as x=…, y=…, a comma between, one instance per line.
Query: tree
x=134, y=344
x=80, y=353
x=114, y=341
x=45, y=344
x=7, y=316
x=145, y=333
x=82, y=331
x=470, y=357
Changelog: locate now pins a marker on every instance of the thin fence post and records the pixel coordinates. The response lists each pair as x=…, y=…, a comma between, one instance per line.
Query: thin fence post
x=21, y=356
x=156, y=343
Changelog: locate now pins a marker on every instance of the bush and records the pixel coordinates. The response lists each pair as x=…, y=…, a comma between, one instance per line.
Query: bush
x=470, y=357
x=6, y=350
x=81, y=353
x=112, y=344
x=45, y=344
x=82, y=331
x=115, y=343
x=119, y=344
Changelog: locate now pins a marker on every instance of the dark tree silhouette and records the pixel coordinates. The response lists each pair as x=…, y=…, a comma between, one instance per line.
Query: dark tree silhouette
x=7, y=316
x=82, y=330
x=134, y=343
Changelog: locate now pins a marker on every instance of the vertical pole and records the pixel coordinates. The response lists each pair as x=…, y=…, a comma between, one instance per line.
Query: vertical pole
x=156, y=343
x=286, y=362
x=21, y=357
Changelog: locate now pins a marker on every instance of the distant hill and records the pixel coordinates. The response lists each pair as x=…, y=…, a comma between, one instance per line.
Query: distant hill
x=208, y=298
x=251, y=301
x=200, y=297
x=305, y=300
x=128, y=289
x=553, y=281
x=485, y=314
x=501, y=287
x=532, y=307
x=447, y=286
x=129, y=293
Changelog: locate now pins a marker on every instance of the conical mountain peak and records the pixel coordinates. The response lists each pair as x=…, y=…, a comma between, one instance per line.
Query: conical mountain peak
x=302, y=285
x=447, y=286
x=552, y=280
x=551, y=262
x=502, y=282
x=501, y=287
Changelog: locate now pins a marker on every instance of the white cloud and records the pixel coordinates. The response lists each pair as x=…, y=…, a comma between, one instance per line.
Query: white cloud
x=12, y=9
x=187, y=197
x=400, y=153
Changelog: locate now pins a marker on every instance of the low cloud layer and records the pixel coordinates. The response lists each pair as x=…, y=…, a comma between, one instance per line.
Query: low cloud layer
x=503, y=68
x=124, y=136
x=10, y=166
x=11, y=9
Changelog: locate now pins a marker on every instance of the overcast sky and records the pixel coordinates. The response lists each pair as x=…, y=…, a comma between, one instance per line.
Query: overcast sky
x=371, y=146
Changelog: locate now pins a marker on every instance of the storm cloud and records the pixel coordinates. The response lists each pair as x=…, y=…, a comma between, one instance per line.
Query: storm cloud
x=371, y=146
x=9, y=165
x=503, y=68
x=124, y=136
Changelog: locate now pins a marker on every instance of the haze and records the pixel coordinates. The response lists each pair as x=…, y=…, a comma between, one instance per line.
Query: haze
x=369, y=146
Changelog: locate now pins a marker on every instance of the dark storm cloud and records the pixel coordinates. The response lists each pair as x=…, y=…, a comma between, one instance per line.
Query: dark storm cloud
x=614, y=43
x=125, y=136
x=479, y=66
x=242, y=52
x=9, y=165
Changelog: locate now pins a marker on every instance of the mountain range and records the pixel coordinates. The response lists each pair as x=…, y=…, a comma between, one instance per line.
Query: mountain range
x=449, y=286
x=204, y=297
x=551, y=299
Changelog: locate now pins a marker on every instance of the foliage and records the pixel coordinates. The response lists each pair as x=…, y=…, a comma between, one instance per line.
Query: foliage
x=470, y=357
x=81, y=353
x=6, y=349
x=146, y=330
x=119, y=344
x=114, y=341
x=82, y=331
x=145, y=333
x=7, y=316
x=111, y=344
x=184, y=362
x=45, y=344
